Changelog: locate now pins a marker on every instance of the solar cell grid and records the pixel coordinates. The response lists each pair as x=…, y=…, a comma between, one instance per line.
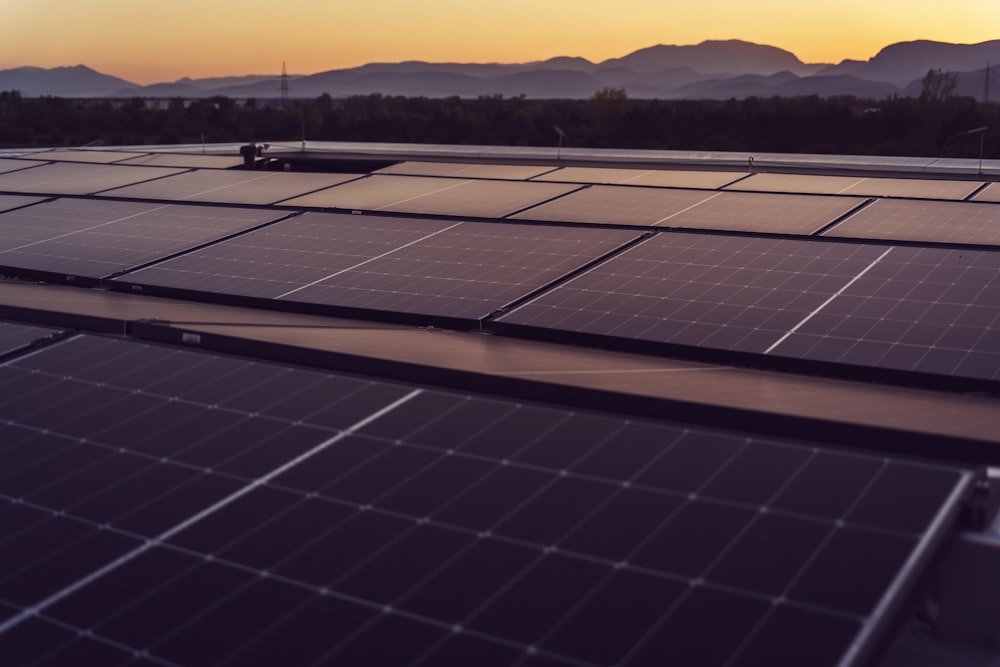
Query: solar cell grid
x=182, y=563
x=936, y=222
x=922, y=309
x=763, y=212
x=71, y=178
x=735, y=293
x=93, y=238
x=432, y=267
x=231, y=187
x=610, y=205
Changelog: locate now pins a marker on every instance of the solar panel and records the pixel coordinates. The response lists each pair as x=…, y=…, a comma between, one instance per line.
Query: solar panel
x=14, y=336
x=921, y=309
x=936, y=222
x=231, y=187
x=70, y=178
x=432, y=267
x=798, y=183
x=922, y=188
x=763, y=212
x=914, y=309
x=94, y=157
x=8, y=202
x=514, y=172
x=187, y=160
x=14, y=164
x=433, y=196
x=96, y=238
x=612, y=205
x=247, y=513
x=990, y=193
x=707, y=180
x=734, y=293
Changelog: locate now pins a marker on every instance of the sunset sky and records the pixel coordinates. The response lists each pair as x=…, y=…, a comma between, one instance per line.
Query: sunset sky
x=147, y=42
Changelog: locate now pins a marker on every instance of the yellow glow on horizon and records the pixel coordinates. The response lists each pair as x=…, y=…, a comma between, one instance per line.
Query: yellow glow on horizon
x=149, y=42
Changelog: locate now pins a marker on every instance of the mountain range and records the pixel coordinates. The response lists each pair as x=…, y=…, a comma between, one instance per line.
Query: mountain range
x=710, y=70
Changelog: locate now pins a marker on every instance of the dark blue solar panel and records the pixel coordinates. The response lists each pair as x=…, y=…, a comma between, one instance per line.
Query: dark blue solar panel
x=14, y=336
x=178, y=508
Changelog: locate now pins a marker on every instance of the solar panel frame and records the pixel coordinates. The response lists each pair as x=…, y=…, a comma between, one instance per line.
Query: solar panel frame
x=193, y=535
x=230, y=186
x=77, y=178
x=615, y=205
x=919, y=221
x=95, y=238
x=421, y=267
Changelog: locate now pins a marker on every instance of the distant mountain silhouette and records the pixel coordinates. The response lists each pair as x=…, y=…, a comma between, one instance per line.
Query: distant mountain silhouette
x=900, y=64
x=77, y=81
x=712, y=69
x=715, y=57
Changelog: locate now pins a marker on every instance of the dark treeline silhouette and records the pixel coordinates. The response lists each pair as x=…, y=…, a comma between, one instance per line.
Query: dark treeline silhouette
x=841, y=125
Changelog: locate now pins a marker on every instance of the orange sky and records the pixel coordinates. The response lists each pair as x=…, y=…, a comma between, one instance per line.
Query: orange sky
x=148, y=42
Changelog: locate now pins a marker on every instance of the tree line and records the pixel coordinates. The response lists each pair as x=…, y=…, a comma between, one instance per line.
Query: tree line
x=924, y=126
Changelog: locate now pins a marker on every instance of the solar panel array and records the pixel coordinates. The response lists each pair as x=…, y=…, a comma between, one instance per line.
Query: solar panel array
x=94, y=238
x=935, y=222
x=171, y=507
x=927, y=310
x=231, y=187
x=71, y=178
x=433, y=267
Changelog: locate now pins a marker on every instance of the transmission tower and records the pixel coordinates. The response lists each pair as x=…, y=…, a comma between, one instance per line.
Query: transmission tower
x=284, y=85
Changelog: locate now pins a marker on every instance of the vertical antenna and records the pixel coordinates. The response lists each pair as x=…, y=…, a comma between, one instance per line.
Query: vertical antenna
x=284, y=85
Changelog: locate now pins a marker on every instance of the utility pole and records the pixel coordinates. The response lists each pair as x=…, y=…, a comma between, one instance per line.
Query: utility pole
x=284, y=85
